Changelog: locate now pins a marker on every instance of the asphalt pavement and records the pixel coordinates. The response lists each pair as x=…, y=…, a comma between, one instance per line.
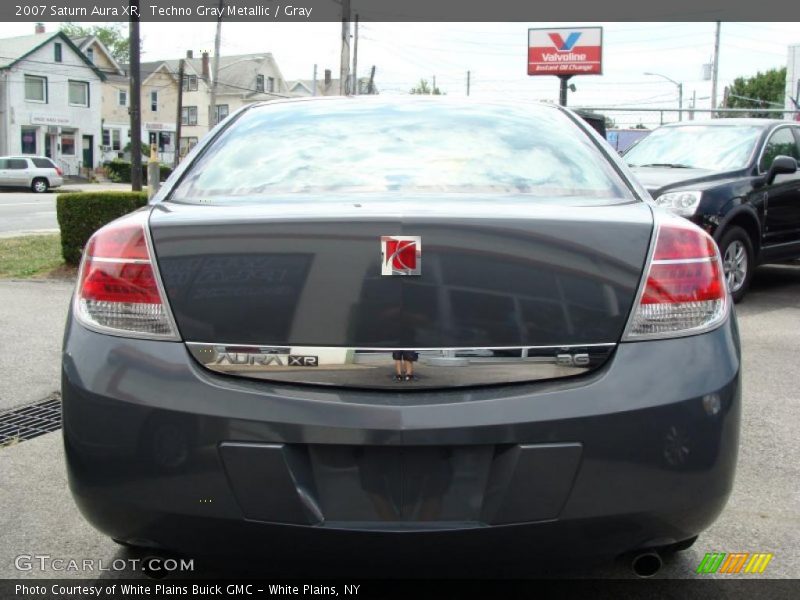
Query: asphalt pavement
x=23, y=212
x=763, y=514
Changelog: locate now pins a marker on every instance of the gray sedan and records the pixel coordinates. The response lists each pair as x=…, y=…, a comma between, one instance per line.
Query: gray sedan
x=415, y=327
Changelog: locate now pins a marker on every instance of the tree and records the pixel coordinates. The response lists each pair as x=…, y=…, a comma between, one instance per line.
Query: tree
x=424, y=88
x=114, y=36
x=640, y=126
x=760, y=91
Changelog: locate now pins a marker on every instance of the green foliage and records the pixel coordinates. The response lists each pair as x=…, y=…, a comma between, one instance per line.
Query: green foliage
x=424, y=88
x=145, y=149
x=114, y=36
x=119, y=171
x=763, y=90
x=640, y=126
x=80, y=214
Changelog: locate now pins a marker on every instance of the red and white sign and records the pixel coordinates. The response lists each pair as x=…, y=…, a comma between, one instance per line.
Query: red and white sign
x=574, y=51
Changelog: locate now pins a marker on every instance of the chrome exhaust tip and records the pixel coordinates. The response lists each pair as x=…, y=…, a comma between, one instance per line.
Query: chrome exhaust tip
x=646, y=564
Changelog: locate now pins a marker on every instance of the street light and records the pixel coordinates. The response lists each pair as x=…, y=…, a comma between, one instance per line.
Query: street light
x=680, y=92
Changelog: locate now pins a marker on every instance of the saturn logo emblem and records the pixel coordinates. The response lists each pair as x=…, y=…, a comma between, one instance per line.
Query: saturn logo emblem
x=401, y=255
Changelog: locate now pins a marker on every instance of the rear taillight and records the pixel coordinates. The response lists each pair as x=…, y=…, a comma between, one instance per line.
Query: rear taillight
x=59, y=172
x=684, y=289
x=118, y=287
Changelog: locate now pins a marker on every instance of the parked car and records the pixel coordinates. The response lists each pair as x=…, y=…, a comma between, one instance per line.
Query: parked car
x=735, y=178
x=623, y=139
x=568, y=357
x=38, y=173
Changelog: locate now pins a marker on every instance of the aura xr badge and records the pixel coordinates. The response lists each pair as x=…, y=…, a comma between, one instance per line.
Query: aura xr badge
x=401, y=255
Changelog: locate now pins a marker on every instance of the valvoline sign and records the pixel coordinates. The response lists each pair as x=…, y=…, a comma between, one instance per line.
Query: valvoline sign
x=573, y=51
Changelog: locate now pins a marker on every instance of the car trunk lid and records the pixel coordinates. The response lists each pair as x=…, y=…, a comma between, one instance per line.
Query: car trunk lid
x=303, y=277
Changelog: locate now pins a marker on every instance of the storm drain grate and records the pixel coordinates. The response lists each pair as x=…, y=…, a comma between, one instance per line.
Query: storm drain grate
x=30, y=421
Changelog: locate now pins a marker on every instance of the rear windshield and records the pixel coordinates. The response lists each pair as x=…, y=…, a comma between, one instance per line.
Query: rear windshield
x=43, y=163
x=416, y=147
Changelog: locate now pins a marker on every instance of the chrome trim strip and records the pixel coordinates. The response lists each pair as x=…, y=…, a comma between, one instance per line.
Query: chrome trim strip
x=681, y=261
x=122, y=261
x=417, y=348
x=376, y=368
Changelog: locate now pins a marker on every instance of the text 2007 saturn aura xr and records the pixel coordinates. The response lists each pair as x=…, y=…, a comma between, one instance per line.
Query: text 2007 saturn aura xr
x=402, y=323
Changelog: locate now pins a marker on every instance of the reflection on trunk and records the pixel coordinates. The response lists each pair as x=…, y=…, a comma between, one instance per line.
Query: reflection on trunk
x=378, y=368
x=495, y=273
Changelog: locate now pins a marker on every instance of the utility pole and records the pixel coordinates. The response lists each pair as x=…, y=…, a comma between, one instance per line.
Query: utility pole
x=136, y=97
x=354, y=89
x=344, y=63
x=433, y=87
x=680, y=102
x=562, y=95
x=468, y=77
x=371, y=79
x=179, y=115
x=694, y=104
x=212, y=118
x=715, y=70
x=314, y=86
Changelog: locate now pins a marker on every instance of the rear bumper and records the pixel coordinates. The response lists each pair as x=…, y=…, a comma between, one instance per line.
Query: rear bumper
x=161, y=451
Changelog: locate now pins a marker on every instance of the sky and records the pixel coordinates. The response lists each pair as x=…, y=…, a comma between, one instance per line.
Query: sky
x=496, y=56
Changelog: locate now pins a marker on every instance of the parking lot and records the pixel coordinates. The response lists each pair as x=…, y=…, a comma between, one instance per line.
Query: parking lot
x=763, y=514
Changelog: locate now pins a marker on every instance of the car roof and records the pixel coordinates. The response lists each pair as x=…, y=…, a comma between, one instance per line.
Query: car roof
x=26, y=156
x=738, y=121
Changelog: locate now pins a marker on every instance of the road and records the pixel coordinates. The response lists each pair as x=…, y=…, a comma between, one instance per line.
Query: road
x=24, y=212
x=763, y=514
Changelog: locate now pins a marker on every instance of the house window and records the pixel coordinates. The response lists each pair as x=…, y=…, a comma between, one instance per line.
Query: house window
x=122, y=97
x=154, y=101
x=165, y=141
x=90, y=54
x=78, y=93
x=190, y=83
x=271, y=84
x=57, y=56
x=112, y=139
x=221, y=112
x=29, y=140
x=35, y=88
x=187, y=143
x=68, y=143
x=189, y=115
x=259, y=83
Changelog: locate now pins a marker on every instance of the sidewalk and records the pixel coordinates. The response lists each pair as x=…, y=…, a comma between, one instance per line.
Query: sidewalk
x=32, y=322
x=107, y=186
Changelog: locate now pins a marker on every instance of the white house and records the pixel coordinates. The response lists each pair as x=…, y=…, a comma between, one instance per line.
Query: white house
x=50, y=101
x=115, y=98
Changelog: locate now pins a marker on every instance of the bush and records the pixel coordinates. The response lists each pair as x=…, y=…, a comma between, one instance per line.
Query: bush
x=119, y=171
x=81, y=214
